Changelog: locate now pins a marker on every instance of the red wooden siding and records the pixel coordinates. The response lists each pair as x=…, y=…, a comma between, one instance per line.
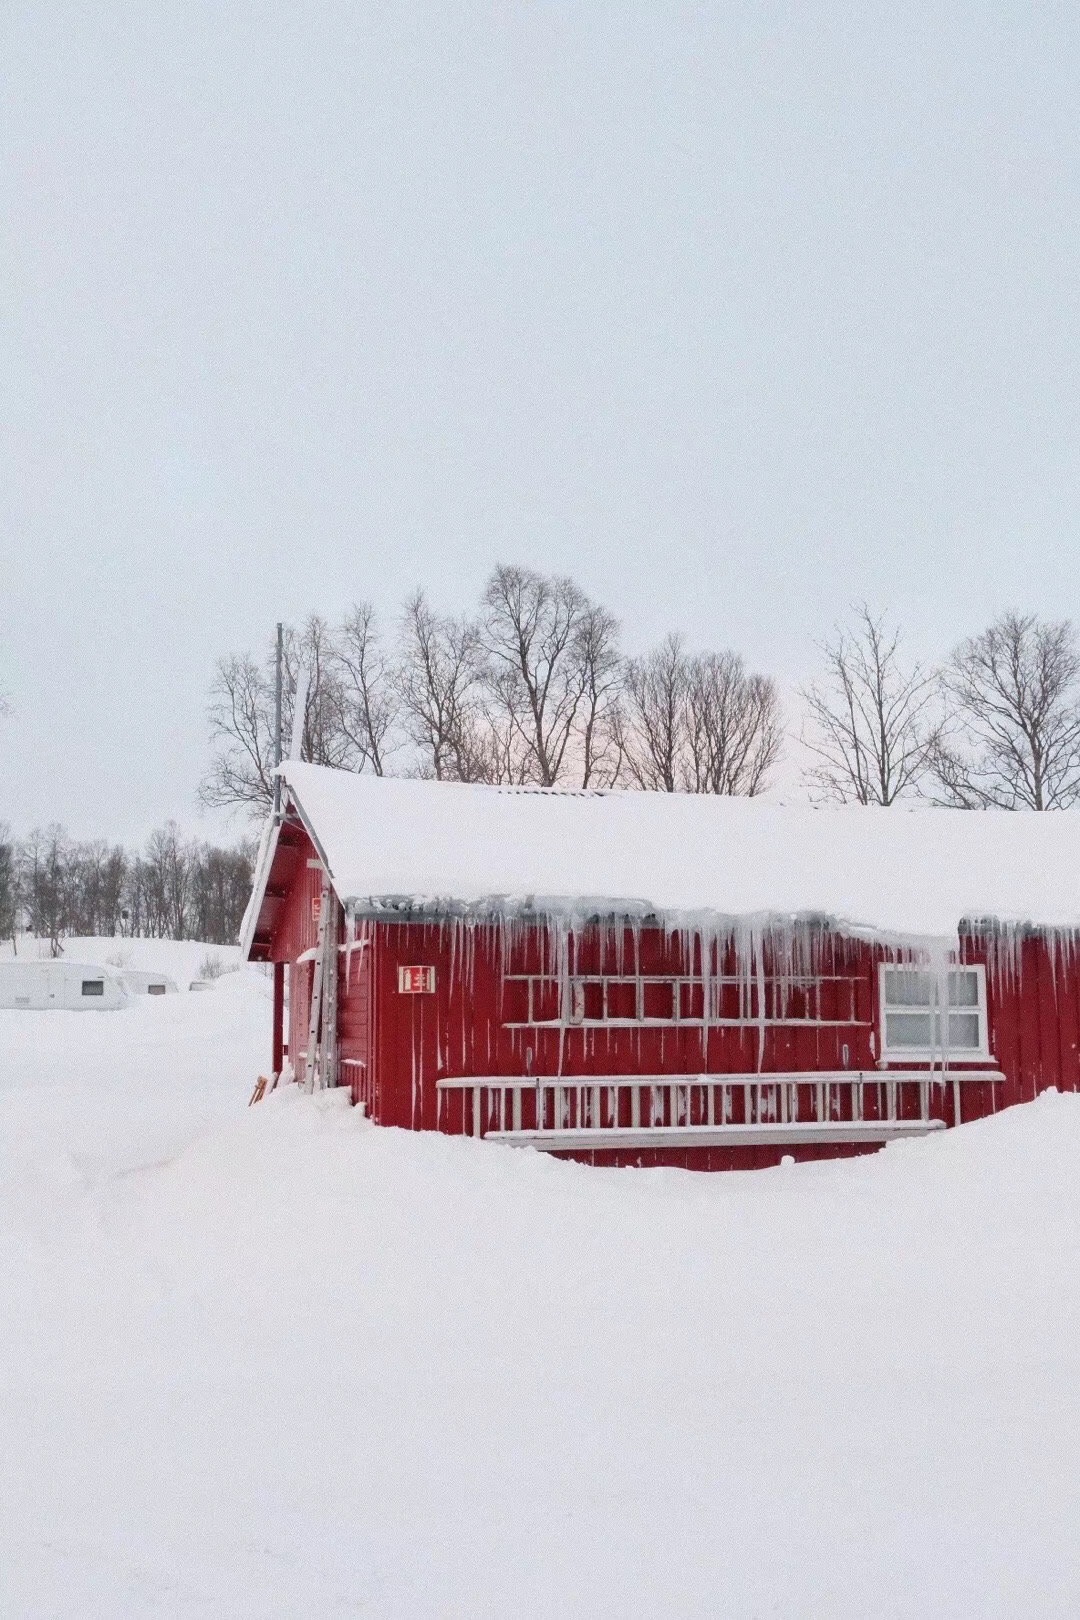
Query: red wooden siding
x=479, y=1022
x=640, y=995
x=295, y=932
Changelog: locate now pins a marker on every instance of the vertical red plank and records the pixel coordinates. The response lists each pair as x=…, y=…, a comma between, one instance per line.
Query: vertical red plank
x=1069, y=1000
x=1049, y=1013
x=278, y=1055
x=1027, y=1022
x=1003, y=1012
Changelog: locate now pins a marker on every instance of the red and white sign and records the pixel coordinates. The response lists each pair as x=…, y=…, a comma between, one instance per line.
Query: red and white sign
x=415, y=981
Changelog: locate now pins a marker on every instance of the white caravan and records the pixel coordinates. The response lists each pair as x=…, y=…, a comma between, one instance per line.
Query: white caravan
x=75, y=986
x=138, y=982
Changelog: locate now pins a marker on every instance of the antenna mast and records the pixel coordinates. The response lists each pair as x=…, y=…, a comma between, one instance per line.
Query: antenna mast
x=277, y=718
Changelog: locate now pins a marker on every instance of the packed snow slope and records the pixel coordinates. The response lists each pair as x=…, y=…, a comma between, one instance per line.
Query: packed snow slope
x=279, y=1362
x=695, y=856
x=182, y=959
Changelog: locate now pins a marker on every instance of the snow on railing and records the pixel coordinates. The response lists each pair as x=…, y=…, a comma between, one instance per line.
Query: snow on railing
x=564, y=1113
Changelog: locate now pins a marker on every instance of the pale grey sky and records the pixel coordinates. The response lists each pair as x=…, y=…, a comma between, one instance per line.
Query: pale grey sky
x=736, y=312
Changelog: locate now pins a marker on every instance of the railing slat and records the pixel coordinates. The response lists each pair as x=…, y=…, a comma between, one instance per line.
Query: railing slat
x=771, y=1106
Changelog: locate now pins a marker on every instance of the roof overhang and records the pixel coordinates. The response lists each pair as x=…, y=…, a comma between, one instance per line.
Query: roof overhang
x=404, y=848
x=282, y=836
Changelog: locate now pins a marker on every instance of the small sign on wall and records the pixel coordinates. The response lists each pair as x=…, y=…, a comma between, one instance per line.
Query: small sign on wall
x=415, y=981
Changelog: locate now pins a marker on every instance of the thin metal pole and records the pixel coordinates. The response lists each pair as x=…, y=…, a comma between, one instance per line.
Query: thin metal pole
x=277, y=718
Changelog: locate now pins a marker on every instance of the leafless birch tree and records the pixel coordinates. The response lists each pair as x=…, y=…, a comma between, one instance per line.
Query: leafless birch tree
x=44, y=869
x=1013, y=718
x=598, y=748
x=552, y=668
x=241, y=718
x=699, y=723
x=733, y=731
x=653, y=715
x=532, y=690
x=323, y=740
x=349, y=708
x=9, y=887
x=367, y=690
x=870, y=719
x=440, y=677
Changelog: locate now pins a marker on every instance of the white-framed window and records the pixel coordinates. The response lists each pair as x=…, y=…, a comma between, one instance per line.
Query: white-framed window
x=911, y=1012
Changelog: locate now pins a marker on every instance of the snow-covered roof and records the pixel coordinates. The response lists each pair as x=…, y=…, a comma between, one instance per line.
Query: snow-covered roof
x=900, y=871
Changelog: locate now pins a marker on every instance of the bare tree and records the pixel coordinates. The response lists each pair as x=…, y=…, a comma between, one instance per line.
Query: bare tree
x=870, y=720
x=220, y=883
x=43, y=860
x=315, y=650
x=167, y=883
x=9, y=887
x=440, y=676
x=241, y=715
x=367, y=690
x=732, y=725
x=699, y=723
x=653, y=715
x=174, y=890
x=1013, y=737
x=533, y=630
x=598, y=733
x=95, y=878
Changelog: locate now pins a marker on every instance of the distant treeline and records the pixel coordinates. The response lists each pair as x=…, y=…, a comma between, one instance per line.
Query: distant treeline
x=56, y=886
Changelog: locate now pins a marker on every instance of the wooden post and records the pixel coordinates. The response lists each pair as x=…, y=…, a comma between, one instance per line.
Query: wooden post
x=315, y=1017
x=278, y=1059
x=330, y=1074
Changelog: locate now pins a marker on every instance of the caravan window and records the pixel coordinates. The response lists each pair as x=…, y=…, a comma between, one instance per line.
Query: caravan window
x=93, y=987
x=155, y=989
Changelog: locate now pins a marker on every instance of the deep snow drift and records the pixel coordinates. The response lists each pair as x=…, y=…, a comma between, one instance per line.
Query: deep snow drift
x=182, y=959
x=278, y=1362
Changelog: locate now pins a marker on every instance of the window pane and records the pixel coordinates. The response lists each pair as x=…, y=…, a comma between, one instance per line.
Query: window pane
x=964, y=1031
x=964, y=989
x=909, y=1029
x=93, y=987
x=906, y=987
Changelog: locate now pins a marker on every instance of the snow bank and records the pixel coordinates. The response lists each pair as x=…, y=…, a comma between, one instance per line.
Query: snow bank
x=92, y=1095
x=277, y=1361
x=897, y=871
x=179, y=959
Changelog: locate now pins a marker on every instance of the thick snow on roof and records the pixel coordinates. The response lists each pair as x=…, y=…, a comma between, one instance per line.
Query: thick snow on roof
x=897, y=871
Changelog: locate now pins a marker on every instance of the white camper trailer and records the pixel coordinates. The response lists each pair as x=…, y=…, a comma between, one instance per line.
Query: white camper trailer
x=76, y=986
x=138, y=982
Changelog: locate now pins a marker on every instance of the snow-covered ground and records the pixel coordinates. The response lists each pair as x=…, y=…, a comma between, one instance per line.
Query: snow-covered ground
x=278, y=1362
x=182, y=959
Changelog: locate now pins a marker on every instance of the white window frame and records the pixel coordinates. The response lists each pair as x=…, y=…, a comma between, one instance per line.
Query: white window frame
x=965, y=1054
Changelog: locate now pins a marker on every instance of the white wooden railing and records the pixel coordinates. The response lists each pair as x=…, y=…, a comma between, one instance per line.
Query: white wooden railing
x=702, y=1110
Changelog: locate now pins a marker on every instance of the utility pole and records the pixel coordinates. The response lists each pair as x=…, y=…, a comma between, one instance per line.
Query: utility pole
x=277, y=717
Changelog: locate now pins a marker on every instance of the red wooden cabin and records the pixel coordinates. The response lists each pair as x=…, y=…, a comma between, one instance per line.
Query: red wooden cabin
x=615, y=977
